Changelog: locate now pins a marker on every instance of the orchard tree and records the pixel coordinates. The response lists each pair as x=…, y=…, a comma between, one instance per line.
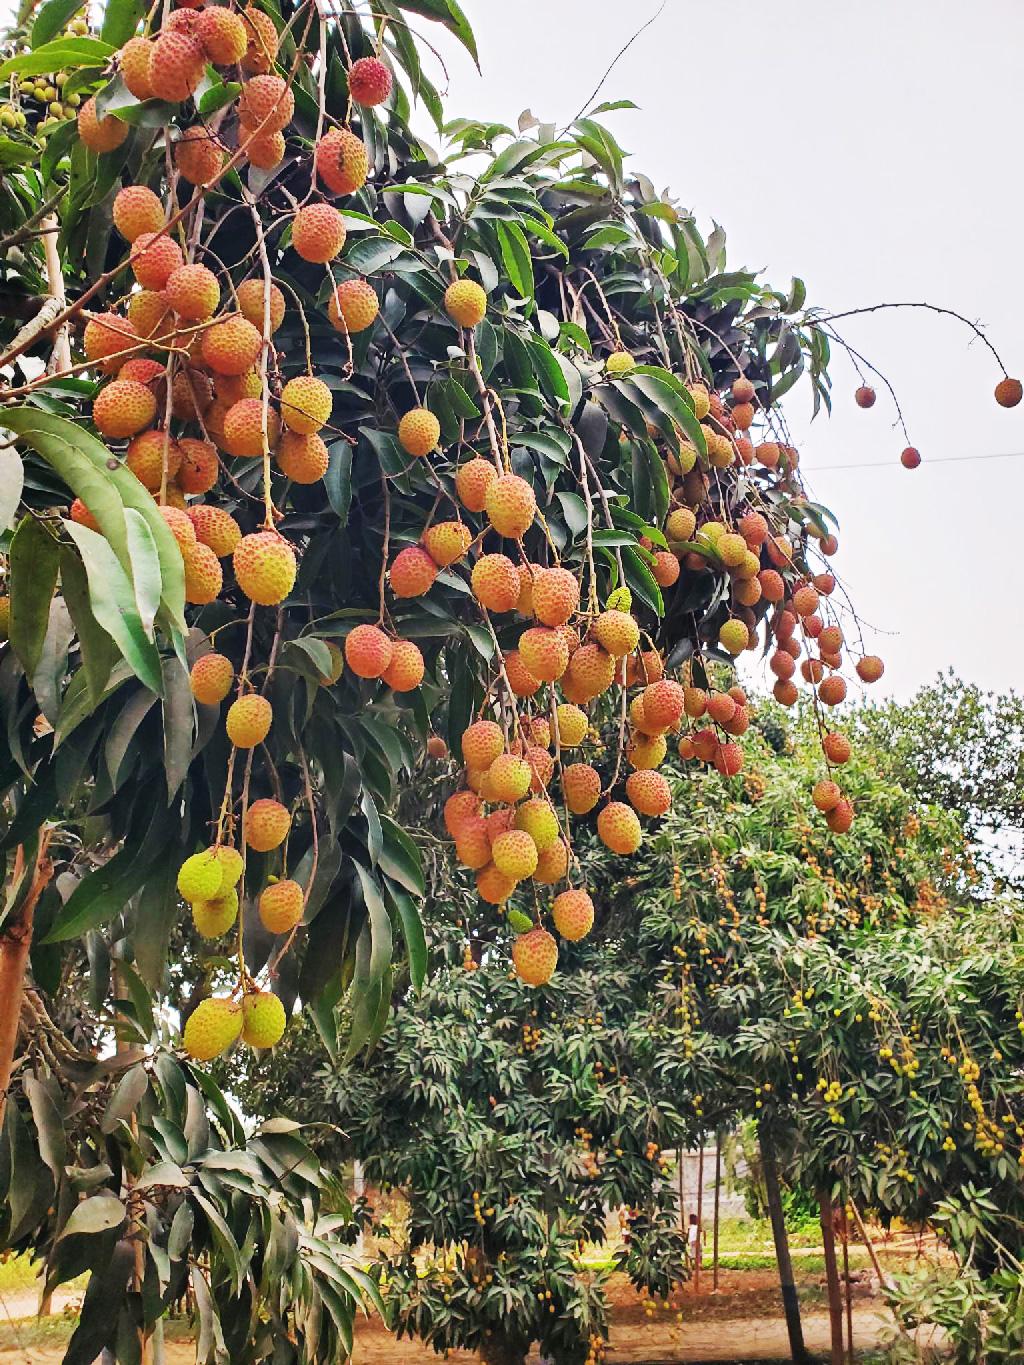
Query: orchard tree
x=392, y=446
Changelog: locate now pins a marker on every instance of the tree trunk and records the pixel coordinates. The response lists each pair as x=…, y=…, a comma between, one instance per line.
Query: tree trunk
x=700, y=1219
x=504, y=1351
x=718, y=1202
x=15, y=942
x=848, y=1285
x=835, y=1294
x=787, y=1284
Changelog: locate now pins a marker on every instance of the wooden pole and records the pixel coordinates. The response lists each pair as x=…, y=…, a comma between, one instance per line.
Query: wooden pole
x=682, y=1193
x=787, y=1282
x=700, y=1218
x=718, y=1201
x=835, y=1299
x=15, y=943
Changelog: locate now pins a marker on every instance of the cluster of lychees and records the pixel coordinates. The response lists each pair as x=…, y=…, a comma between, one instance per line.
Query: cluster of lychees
x=193, y=384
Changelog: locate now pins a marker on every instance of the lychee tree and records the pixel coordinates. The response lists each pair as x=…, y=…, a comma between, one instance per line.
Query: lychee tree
x=395, y=447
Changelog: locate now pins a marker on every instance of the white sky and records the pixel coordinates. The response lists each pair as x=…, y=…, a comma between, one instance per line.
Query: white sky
x=871, y=148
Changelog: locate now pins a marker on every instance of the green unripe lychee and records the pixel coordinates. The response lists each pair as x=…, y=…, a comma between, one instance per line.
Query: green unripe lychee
x=212, y=1027
x=213, y=918
x=231, y=865
x=199, y=878
x=264, y=1019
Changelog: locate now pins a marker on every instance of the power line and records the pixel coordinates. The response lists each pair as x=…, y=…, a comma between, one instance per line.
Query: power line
x=895, y=464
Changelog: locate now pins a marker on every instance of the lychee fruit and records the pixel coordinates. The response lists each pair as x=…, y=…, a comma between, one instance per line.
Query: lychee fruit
x=211, y=678
x=617, y=633
x=571, y=724
x=647, y=751
x=581, y=786
x=552, y=863
x=537, y=817
x=100, y=134
x=910, y=458
x=145, y=457
x=495, y=582
x=482, y=742
x=832, y=690
x=266, y=104
x=231, y=346
x=648, y=792
x=368, y=651
x=805, y=601
x=197, y=472
x=406, y=669
x=215, y=917
x=473, y=845
x=544, y=652
x=419, y=432
x=198, y=155
x=211, y=1028
x=465, y=303
x=266, y=825
x=107, y=335
x=509, y=778
x=199, y=877
x=303, y=459
x=248, y=721
x=263, y=1019
x=281, y=906
x=520, y=679
x=573, y=913
x=837, y=747
x=204, y=577
x=193, y=292
x=123, y=408
x=176, y=65
x=342, y=163
x=681, y=524
x=870, y=668
x=864, y=396
x=728, y=759
x=262, y=45
x=318, y=233
x=215, y=527
x=1009, y=392
x=306, y=404
x=515, y=854
x=133, y=64
x=591, y=671
x=353, y=306
x=447, y=541
x=493, y=886
x=665, y=568
x=840, y=818
x=826, y=795
x=663, y=703
x=556, y=595
x=136, y=210
x=369, y=81
x=222, y=34
x=733, y=636
x=251, y=299
x=619, y=363
x=742, y=390
x=618, y=828
x=265, y=567
x=436, y=747
x=511, y=505
x=461, y=806
x=535, y=957
x=472, y=482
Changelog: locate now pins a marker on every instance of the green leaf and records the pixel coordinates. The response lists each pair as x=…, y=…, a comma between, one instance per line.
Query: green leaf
x=95, y=645
x=381, y=942
x=34, y=564
x=400, y=858
x=61, y=54
x=102, y=1213
x=145, y=568
x=104, y=892
x=12, y=480
x=642, y=581
x=412, y=932
x=519, y=922
x=179, y=718
x=107, y=487
x=113, y=604
x=338, y=479
x=217, y=96
x=515, y=252
x=120, y=20
x=448, y=13
x=51, y=19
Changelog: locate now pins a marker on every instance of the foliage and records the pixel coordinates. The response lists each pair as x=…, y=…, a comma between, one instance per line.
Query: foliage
x=139, y=1171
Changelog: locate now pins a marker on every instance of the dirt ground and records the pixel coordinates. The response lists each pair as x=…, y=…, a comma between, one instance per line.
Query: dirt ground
x=741, y=1323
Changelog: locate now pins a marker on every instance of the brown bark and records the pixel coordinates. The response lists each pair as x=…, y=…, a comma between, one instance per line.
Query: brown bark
x=835, y=1294
x=787, y=1283
x=700, y=1220
x=503, y=1351
x=718, y=1202
x=848, y=1285
x=15, y=942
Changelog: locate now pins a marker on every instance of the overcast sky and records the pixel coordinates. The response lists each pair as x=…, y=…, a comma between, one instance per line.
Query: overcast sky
x=872, y=149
